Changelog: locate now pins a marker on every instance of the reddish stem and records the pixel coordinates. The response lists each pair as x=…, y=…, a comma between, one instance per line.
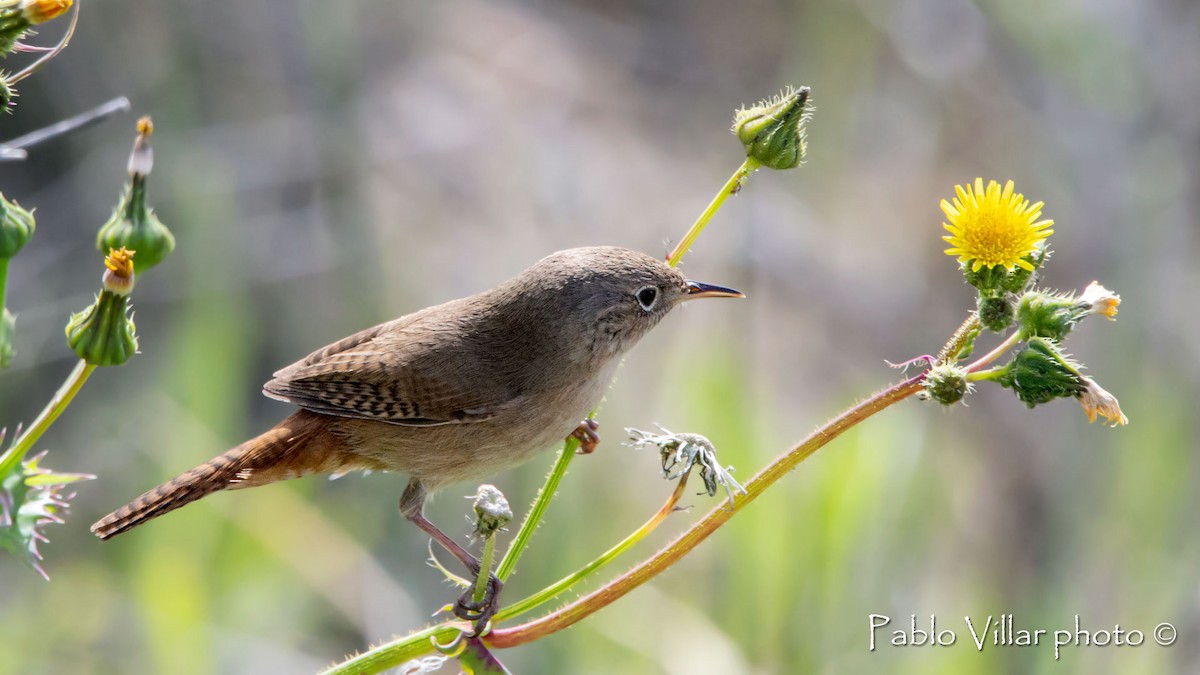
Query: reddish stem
x=600, y=598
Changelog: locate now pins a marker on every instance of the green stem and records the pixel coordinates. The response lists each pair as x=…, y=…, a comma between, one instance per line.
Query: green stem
x=509, y=562
x=413, y=646
x=996, y=353
x=989, y=374
x=731, y=187
x=62, y=398
x=648, y=569
x=485, y=567
x=555, y=589
x=3, y=281
x=419, y=644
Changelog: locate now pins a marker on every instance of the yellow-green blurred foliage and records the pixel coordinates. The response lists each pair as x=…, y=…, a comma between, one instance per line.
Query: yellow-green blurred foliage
x=329, y=165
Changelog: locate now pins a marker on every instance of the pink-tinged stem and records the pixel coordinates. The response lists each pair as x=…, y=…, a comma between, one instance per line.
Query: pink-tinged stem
x=587, y=605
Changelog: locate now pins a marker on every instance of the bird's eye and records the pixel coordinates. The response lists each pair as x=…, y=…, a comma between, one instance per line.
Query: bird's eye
x=646, y=297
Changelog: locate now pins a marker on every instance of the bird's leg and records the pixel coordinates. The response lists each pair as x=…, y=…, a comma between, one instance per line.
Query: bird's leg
x=588, y=434
x=412, y=506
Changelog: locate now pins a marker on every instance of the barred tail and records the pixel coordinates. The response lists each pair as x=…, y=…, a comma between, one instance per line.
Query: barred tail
x=296, y=446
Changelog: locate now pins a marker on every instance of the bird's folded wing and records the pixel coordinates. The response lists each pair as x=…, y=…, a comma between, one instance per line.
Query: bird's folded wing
x=389, y=374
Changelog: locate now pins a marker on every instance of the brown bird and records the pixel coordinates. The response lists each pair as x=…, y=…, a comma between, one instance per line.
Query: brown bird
x=455, y=392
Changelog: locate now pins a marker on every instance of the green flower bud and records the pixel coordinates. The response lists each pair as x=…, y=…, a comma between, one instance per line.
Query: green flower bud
x=7, y=329
x=133, y=224
x=996, y=313
x=1047, y=315
x=8, y=37
x=947, y=384
x=1053, y=315
x=1040, y=373
x=16, y=227
x=7, y=92
x=104, y=333
x=13, y=27
x=773, y=131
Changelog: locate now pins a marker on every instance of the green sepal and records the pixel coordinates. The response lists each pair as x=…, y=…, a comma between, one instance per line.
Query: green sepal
x=7, y=93
x=773, y=131
x=16, y=228
x=996, y=280
x=996, y=311
x=1049, y=315
x=947, y=384
x=104, y=333
x=134, y=226
x=13, y=27
x=1040, y=373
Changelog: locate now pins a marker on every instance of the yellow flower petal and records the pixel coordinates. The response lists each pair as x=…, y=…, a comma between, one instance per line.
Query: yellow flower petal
x=993, y=225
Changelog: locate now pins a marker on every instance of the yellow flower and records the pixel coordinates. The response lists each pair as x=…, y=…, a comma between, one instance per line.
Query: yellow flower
x=993, y=227
x=118, y=279
x=1097, y=401
x=41, y=11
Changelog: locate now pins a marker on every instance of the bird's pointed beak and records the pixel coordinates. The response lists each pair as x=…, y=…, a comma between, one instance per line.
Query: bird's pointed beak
x=698, y=289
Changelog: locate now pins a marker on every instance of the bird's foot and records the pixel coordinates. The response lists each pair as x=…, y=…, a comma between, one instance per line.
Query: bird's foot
x=480, y=612
x=588, y=434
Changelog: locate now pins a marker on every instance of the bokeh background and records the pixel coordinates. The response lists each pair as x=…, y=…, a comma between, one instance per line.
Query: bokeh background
x=329, y=165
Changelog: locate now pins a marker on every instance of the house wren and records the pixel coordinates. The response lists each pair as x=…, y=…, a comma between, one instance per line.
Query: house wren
x=454, y=392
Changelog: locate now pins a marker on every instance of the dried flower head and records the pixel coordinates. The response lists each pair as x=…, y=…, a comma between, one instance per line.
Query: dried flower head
x=680, y=452
x=1100, y=300
x=1097, y=401
x=492, y=513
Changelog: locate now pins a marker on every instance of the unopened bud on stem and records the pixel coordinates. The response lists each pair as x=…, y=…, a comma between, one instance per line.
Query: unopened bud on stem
x=104, y=334
x=773, y=131
x=947, y=384
x=1040, y=373
x=16, y=228
x=133, y=224
x=996, y=311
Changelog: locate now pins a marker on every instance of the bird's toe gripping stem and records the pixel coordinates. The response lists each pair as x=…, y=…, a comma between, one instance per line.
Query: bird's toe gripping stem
x=588, y=434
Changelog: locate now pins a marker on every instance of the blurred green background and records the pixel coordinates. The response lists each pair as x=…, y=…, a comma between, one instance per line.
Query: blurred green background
x=329, y=165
